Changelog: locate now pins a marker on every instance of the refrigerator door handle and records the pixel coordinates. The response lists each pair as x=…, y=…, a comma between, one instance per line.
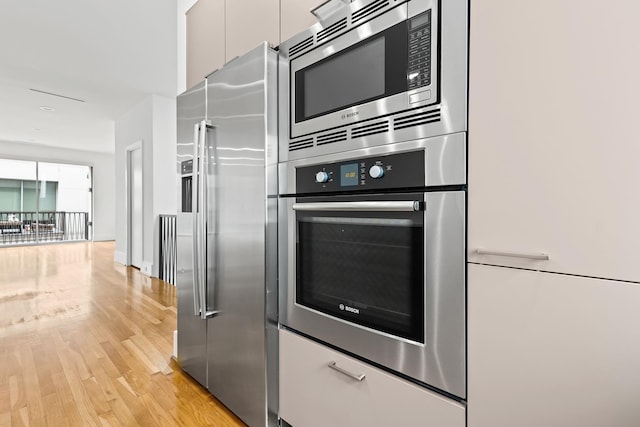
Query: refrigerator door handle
x=194, y=213
x=201, y=237
x=205, y=259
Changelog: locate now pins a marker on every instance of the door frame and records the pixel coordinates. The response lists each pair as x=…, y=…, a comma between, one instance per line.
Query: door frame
x=128, y=172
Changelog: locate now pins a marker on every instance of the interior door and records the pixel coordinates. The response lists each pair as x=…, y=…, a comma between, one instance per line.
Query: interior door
x=135, y=220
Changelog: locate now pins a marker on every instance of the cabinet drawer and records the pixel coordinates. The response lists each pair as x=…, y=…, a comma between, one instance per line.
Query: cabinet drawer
x=312, y=394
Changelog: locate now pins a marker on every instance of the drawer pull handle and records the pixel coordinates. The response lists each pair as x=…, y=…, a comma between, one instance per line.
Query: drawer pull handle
x=539, y=256
x=343, y=371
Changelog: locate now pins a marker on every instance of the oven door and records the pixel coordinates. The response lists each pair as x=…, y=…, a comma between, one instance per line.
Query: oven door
x=361, y=260
x=381, y=277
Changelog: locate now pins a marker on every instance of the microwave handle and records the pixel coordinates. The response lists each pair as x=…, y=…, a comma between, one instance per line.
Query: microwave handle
x=391, y=206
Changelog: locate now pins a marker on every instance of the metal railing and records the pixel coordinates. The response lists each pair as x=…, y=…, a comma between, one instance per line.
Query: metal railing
x=48, y=226
x=168, y=249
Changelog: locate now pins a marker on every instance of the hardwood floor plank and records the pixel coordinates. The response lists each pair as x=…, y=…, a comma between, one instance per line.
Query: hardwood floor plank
x=16, y=393
x=159, y=414
x=135, y=404
x=137, y=353
x=106, y=385
x=80, y=398
x=85, y=341
x=5, y=419
x=5, y=398
x=46, y=362
x=55, y=414
x=109, y=420
x=161, y=362
x=20, y=418
x=35, y=406
x=122, y=413
x=113, y=359
x=96, y=396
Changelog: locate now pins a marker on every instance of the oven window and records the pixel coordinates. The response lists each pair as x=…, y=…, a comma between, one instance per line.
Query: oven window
x=369, y=271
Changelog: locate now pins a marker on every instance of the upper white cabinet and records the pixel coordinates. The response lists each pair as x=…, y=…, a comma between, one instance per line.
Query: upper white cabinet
x=205, y=39
x=554, y=151
x=551, y=350
x=296, y=16
x=220, y=30
x=250, y=22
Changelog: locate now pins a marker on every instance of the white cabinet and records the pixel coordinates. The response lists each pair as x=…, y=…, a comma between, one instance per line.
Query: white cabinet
x=250, y=22
x=551, y=350
x=205, y=39
x=314, y=395
x=554, y=152
x=296, y=16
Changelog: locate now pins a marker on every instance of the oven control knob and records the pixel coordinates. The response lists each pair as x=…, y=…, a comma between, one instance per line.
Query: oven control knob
x=322, y=177
x=376, y=171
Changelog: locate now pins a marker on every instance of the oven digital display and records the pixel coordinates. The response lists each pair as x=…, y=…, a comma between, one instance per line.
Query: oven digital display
x=349, y=175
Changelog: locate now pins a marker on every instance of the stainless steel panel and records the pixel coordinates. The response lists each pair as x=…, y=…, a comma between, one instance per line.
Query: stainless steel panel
x=191, y=109
x=440, y=362
x=242, y=143
x=452, y=76
x=445, y=160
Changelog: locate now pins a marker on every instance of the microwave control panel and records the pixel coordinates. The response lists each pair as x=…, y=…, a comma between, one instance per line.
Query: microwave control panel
x=419, y=70
x=392, y=171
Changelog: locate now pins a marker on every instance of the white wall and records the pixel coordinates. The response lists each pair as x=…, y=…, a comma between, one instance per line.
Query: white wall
x=103, y=178
x=16, y=169
x=73, y=185
x=165, y=191
x=153, y=122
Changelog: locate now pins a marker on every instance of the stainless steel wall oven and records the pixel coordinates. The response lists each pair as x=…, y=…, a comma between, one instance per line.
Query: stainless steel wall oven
x=372, y=256
x=372, y=186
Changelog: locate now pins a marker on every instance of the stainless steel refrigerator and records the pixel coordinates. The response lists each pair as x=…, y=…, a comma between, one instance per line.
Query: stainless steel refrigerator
x=227, y=236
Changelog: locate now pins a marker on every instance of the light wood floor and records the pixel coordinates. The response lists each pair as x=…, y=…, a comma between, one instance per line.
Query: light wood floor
x=87, y=342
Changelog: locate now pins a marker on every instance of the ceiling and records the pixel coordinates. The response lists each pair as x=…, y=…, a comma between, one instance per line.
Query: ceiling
x=110, y=54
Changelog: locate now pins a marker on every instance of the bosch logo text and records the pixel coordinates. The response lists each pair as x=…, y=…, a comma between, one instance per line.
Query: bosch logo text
x=350, y=115
x=349, y=309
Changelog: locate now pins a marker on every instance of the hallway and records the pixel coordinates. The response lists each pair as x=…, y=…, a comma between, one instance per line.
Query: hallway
x=85, y=341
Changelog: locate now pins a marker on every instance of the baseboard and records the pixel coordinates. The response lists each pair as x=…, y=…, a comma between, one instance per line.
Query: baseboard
x=120, y=257
x=146, y=268
x=99, y=238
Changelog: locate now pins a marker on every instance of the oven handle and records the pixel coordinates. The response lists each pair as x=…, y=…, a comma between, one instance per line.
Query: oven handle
x=401, y=206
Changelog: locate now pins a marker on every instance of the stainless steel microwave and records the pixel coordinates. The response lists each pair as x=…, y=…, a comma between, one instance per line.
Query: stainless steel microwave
x=378, y=72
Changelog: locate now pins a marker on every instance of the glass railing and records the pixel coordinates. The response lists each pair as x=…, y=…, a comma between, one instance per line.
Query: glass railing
x=45, y=226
